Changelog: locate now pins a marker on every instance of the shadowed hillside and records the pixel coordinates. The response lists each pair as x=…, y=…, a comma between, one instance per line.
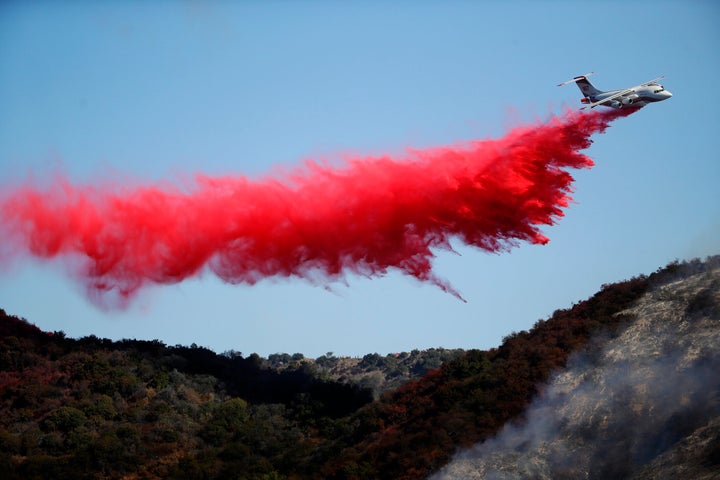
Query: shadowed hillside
x=93, y=408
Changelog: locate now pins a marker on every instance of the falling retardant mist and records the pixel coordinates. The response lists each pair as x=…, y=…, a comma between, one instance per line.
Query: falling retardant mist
x=320, y=222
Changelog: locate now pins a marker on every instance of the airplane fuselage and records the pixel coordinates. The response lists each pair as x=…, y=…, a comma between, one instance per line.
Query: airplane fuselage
x=638, y=98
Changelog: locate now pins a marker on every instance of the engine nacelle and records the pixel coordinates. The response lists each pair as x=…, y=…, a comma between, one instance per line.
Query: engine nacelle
x=615, y=104
x=629, y=100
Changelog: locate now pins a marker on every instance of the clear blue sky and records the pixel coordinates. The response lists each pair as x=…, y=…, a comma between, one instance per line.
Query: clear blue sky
x=158, y=91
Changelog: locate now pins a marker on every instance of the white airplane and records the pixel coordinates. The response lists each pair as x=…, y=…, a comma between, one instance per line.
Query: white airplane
x=638, y=96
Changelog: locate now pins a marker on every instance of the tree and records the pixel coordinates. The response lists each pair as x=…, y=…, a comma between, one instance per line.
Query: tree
x=63, y=419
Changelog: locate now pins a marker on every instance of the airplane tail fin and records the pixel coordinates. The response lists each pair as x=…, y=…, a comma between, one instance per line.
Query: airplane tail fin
x=587, y=88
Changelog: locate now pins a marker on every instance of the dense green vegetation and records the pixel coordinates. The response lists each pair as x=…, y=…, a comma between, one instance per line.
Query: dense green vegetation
x=93, y=408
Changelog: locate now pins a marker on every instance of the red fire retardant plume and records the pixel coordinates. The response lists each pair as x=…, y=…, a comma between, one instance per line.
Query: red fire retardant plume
x=371, y=215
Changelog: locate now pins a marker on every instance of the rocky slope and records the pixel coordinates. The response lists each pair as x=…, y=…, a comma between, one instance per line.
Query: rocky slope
x=645, y=404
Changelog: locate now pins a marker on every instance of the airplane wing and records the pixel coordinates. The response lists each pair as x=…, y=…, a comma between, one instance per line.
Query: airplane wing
x=651, y=81
x=610, y=98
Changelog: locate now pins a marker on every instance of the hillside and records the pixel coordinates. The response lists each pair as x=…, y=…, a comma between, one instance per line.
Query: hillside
x=373, y=371
x=93, y=408
x=645, y=404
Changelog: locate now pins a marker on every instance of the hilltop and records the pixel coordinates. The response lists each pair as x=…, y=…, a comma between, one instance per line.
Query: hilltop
x=94, y=408
x=375, y=372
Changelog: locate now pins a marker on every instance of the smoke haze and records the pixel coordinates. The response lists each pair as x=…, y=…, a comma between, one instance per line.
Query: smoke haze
x=617, y=410
x=318, y=223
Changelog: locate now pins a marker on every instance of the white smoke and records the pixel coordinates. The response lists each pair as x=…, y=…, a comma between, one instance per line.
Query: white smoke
x=617, y=407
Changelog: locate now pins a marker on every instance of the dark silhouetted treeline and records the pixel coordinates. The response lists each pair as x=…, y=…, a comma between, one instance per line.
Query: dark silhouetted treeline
x=93, y=408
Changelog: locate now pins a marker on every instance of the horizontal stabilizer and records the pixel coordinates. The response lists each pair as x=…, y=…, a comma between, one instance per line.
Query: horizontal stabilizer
x=575, y=79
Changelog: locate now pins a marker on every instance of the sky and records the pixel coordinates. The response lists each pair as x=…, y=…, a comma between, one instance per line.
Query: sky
x=156, y=92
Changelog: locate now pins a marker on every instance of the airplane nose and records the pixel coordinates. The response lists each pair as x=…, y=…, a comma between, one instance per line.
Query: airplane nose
x=668, y=94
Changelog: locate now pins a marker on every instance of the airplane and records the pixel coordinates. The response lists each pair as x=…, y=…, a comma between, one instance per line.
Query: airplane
x=638, y=96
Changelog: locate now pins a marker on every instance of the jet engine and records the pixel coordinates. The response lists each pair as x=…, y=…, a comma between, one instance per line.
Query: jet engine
x=629, y=100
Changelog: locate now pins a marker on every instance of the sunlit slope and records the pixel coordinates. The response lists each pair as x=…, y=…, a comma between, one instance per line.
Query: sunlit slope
x=644, y=405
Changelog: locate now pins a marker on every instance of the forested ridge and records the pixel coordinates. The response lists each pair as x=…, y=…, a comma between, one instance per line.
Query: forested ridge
x=94, y=408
